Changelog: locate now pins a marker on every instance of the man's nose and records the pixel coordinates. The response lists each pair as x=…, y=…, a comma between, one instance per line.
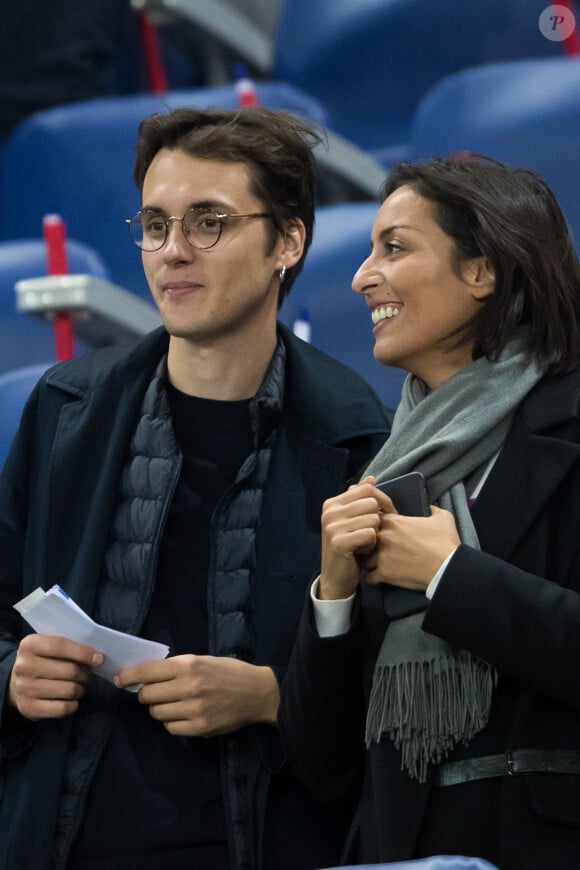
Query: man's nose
x=175, y=241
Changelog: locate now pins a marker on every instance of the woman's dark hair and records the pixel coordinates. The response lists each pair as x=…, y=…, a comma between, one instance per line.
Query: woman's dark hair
x=511, y=217
x=276, y=146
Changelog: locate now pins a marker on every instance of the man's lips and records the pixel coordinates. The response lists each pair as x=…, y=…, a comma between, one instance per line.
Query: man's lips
x=180, y=288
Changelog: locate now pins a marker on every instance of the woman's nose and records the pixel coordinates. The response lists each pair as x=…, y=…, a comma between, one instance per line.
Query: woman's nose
x=360, y=281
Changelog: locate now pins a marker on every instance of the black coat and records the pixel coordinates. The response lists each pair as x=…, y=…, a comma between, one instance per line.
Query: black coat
x=517, y=605
x=57, y=494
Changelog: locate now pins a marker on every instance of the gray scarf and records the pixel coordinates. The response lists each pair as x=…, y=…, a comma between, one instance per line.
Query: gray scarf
x=427, y=696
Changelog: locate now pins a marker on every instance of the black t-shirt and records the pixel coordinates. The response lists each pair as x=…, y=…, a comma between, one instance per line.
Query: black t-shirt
x=157, y=797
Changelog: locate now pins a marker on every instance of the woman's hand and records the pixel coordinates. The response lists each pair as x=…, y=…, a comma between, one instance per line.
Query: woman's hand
x=410, y=550
x=350, y=523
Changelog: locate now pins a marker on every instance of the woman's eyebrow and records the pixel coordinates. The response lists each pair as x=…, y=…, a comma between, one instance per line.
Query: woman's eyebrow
x=388, y=230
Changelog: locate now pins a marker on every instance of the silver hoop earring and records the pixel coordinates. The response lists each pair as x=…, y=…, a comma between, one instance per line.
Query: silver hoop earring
x=282, y=273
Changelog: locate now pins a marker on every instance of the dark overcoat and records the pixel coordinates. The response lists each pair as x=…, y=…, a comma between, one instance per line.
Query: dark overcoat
x=57, y=495
x=515, y=604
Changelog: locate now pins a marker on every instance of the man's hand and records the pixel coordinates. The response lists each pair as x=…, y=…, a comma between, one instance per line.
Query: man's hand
x=50, y=675
x=201, y=696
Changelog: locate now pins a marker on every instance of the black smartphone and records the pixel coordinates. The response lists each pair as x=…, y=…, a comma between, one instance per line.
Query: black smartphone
x=408, y=493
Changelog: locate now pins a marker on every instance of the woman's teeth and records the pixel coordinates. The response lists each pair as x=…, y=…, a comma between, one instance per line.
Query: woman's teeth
x=384, y=312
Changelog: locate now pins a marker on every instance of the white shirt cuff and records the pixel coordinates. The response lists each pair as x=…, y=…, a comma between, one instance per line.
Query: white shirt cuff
x=331, y=617
x=431, y=588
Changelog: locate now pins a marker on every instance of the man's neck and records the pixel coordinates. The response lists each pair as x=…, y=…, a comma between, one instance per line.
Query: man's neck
x=224, y=372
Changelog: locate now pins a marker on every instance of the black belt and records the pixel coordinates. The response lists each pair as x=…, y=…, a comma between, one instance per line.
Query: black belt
x=515, y=762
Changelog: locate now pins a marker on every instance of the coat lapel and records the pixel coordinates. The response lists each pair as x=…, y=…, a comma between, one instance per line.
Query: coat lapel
x=535, y=459
x=302, y=475
x=88, y=452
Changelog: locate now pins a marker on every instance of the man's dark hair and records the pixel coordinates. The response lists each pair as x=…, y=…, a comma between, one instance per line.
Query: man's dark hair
x=276, y=147
x=511, y=217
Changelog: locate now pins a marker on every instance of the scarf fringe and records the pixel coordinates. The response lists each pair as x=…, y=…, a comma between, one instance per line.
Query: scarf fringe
x=426, y=708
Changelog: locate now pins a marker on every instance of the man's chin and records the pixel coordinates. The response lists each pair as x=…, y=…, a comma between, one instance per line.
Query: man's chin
x=198, y=333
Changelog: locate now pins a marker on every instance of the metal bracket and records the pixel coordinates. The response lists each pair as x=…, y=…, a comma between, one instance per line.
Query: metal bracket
x=102, y=313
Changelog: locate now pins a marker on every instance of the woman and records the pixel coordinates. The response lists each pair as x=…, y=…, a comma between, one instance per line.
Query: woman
x=450, y=644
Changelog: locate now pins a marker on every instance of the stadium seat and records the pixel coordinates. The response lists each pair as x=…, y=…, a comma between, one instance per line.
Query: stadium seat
x=339, y=319
x=15, y=387
x=437, y=862
x=370, y=62
x=524, y=113
x=217, y=31
x=77, y=160
x=25, y=340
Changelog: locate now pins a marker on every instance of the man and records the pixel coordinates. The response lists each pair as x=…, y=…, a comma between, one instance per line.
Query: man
x=173, y=488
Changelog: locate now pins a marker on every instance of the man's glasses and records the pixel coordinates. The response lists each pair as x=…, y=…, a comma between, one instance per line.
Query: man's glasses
x=202, y=228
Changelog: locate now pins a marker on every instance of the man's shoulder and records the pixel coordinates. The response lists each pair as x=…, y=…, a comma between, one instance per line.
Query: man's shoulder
x=85, y=372
x=325, y=388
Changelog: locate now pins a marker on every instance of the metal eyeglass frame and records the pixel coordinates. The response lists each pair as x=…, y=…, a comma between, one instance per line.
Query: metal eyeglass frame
x=221, y=219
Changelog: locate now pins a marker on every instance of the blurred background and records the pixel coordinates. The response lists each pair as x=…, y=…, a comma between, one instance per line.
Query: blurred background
x=386, y=79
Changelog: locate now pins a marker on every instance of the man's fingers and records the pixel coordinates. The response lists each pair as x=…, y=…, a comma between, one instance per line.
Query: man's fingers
x=41, y=668
x=154, y=671
x=44, y=695
x=57, y=690
x=46, y=708
x=46, y=646
x=50, y=675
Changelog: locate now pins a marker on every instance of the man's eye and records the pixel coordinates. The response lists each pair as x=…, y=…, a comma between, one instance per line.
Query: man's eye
x=154, y=227
x=207, y=222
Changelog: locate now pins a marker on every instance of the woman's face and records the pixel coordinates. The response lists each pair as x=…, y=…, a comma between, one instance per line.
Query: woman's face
x=415, y=297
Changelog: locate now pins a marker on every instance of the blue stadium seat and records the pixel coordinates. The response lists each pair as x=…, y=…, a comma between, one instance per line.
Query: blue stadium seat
x=437, y=862
x=524, y=113
x=15, y=387
x=78, y=159
x=24, y=340
x=339, y=319
x=369, y=62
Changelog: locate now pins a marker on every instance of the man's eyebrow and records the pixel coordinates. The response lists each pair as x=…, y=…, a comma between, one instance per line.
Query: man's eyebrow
x=209, y=204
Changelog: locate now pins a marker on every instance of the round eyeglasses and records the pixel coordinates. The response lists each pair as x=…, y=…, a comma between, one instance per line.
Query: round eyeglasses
x=202, y=228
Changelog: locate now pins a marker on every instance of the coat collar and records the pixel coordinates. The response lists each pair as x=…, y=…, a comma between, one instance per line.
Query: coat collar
x=80, y=375
x=331, y=401
x=309, y=373
x=541, y=447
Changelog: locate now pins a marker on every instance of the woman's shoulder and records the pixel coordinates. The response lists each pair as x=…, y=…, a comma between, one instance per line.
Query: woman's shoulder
x=555, y=399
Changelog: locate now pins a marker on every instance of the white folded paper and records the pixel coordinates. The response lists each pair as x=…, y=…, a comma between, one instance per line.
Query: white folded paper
x=55, y=613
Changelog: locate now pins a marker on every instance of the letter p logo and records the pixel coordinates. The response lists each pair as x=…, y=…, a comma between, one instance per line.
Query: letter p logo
x=557, y=23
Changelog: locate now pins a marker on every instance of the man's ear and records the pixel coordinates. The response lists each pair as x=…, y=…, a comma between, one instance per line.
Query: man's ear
x=479, y=274
x=293, y=238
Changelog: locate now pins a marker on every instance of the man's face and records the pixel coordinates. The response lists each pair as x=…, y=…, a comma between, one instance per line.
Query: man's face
x=230, y=289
